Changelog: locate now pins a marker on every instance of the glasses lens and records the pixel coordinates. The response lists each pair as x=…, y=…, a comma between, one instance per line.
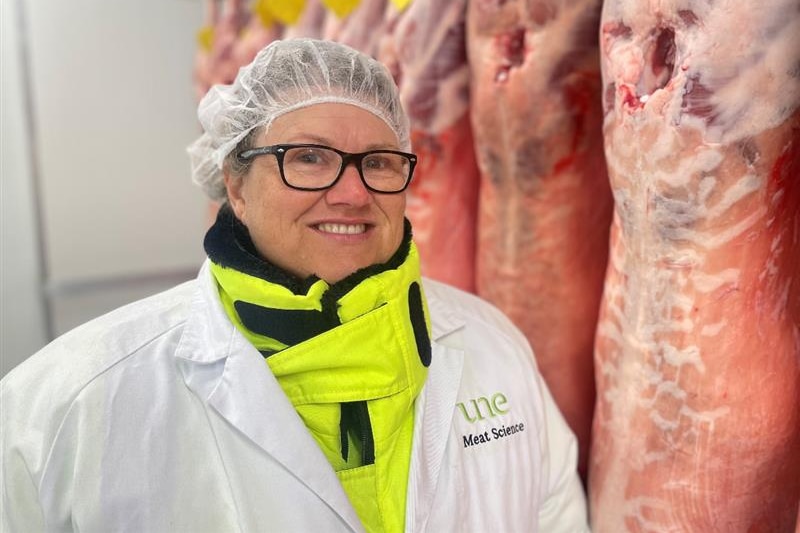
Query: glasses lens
x=310, y=167
x=385, y=171
x=314, y=167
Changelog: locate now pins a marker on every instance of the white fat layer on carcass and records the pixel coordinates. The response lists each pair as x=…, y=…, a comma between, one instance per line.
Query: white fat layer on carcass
x=656, y=514
x=680, y=258
x=776, y=198
x=648, y=325
x=772, y=304
x=715, y=240
x=705, y=282
x=706, y=159
x=675, y=220
x=670, y=388
x=712, y=330
x=685, y=214
x=748, y=60
x=661, y=292
x=690, y=355
x=772, y=268
x=643, y=329
x=644, y=510
x=770, y=275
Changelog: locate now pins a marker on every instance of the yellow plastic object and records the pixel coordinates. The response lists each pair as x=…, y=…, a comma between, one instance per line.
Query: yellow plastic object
x=341, y=8
x=205, y=38
x=286, y=12
x=401, y=4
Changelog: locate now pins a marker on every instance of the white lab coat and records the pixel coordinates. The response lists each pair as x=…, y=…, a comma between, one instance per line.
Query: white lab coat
x=161, y=417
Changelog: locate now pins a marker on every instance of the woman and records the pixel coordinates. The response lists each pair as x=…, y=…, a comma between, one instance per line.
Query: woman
x=306, y=381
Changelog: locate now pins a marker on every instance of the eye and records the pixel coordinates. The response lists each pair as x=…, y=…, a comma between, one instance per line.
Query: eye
x=386, y=163
x=372, y=163
x=377, y=162
x=307, y=156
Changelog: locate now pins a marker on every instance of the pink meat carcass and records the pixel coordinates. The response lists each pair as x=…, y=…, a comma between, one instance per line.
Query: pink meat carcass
x=254, y=36
x=425, y=49
x=697, y=426
x=202, y=75
x=545, y=203
x=361, y=29
x=224, y=65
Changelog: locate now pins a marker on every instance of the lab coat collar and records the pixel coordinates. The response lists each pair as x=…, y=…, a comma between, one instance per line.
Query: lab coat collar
x=448, y=319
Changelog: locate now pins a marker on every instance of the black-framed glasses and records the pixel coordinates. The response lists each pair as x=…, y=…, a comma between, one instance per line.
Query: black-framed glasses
x=315, y=167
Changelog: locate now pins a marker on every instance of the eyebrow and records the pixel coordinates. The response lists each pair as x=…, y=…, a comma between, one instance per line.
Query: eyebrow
x=315, y=139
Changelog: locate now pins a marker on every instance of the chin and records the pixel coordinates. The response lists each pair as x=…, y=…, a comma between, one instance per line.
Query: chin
x=335, y=275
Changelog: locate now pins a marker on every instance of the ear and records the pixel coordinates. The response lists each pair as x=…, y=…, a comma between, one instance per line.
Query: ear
x=236, y=199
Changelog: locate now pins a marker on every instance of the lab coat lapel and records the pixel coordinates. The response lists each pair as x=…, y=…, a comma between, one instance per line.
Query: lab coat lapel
x=249, y=397
x=230, y=376
x=432, y=422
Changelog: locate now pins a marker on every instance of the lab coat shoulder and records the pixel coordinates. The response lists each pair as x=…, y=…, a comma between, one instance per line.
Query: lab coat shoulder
x=38, y=396
x=509, y=443
x=66, y=365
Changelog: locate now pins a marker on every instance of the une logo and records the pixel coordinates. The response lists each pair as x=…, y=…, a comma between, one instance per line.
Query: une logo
x=483, y=407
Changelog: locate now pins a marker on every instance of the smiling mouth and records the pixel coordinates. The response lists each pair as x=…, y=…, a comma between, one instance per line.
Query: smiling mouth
x=342, y=229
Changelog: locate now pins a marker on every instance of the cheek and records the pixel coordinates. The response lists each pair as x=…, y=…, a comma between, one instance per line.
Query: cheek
x=257, y=195
x=255, y=205
x=395, y=212
x=396, y=209
x=276, y=213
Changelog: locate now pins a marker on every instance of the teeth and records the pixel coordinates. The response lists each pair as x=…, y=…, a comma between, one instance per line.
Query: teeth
x=343, y=229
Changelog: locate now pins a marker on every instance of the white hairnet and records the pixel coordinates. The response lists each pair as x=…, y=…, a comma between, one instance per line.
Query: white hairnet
x=285, y=76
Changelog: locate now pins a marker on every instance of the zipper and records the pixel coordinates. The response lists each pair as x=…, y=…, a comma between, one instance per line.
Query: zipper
x=365, y=427
x=355, y=419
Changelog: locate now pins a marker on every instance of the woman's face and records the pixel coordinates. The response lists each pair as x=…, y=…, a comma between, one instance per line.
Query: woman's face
x=330, y=233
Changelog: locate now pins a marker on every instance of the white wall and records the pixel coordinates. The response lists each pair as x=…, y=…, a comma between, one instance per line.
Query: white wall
x=112, y=110
x=22, y=311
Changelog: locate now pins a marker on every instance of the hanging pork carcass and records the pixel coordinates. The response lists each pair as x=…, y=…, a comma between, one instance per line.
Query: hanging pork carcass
x=202, y=69
x=425, y=48
x=697, y=425
x=214, y=60
x=257, y=33
x=362, y=28
x=545, y=203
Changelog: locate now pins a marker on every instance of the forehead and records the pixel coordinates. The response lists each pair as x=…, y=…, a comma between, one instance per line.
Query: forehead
x=331, y=123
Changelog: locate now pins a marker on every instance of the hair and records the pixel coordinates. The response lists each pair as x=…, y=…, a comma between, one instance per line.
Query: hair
x=234, y=166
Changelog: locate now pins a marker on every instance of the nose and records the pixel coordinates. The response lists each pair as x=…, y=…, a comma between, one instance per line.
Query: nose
x=349, y=189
